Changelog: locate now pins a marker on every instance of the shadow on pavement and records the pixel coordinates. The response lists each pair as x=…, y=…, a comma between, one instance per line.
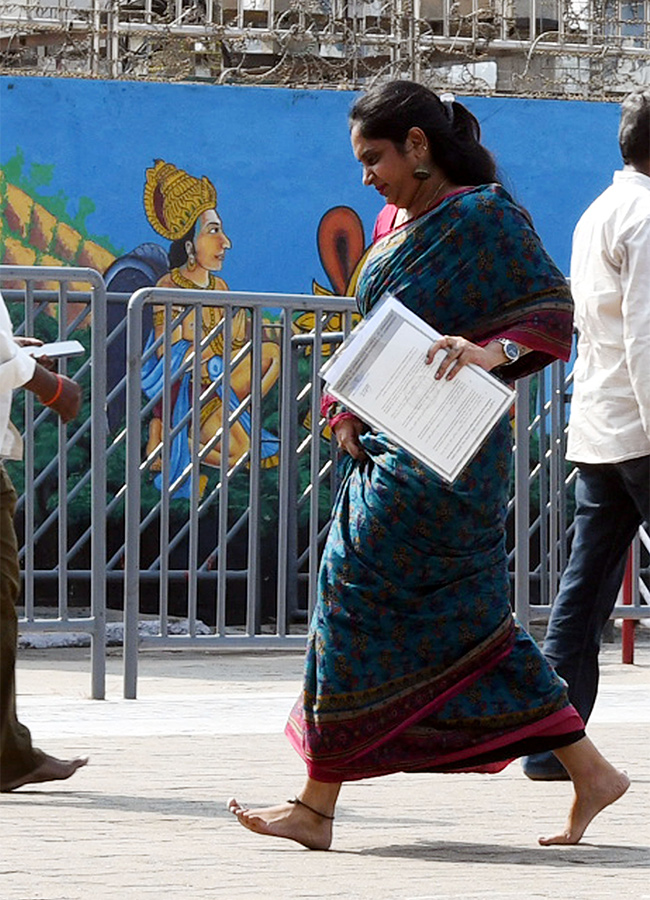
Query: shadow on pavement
x=602, y=855
x=167, y=806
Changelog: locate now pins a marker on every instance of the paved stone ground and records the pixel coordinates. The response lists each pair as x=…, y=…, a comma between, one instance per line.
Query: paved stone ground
x=146, y=818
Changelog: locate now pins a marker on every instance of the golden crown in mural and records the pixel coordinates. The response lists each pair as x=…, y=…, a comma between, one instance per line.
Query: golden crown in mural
x=173, y=200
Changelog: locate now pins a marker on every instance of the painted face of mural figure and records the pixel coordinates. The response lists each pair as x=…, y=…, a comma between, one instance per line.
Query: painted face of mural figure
x=385, y=168
x=210, y=241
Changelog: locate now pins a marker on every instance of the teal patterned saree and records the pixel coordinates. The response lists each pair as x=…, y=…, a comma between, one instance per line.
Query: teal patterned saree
x=414, y=660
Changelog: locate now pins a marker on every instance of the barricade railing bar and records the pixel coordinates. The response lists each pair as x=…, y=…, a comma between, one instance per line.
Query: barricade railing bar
x=60, y=316
x=201, y=475
x=268, y=546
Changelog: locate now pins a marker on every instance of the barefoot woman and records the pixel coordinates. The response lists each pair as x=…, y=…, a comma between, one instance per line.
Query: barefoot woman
x=414, y=661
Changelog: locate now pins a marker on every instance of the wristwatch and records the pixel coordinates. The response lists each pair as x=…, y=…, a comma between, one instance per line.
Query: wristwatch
x=510, y=350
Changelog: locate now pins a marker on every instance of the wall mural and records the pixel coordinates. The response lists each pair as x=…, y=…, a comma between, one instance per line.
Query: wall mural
x=182, y=209
x=341, y=247
x=258, y=194
x=228, y=187
x=33, y=234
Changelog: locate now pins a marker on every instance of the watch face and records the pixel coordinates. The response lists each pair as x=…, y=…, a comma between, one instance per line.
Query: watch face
x=510, y=349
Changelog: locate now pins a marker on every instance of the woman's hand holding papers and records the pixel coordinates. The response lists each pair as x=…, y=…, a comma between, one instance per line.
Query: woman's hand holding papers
x=461, y=352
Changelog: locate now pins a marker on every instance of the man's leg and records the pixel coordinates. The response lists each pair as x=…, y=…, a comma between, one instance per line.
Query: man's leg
x=606, y=519
x=20, y=762
x=636, y=477
x=17, y=755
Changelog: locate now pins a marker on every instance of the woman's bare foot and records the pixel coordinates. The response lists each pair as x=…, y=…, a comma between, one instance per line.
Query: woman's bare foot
x=290, y=820
x=51, y=769
x=589, y=800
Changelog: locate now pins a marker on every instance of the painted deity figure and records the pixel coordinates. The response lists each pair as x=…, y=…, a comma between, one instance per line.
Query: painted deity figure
x=183, y=209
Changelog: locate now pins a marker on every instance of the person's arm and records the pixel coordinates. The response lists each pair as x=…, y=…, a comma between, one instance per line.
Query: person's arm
x=635, y=309
x=346, y=427
x=461, y=352
x=19, y=369
x=59, y=392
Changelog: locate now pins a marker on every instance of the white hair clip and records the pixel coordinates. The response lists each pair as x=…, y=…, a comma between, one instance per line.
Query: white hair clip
x=447, y=99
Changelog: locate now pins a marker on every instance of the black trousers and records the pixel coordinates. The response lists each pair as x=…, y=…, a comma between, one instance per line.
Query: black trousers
x=612, y=500
x=18, y=757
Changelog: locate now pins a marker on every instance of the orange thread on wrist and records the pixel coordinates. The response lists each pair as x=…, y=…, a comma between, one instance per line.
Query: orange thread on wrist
x=57, y=393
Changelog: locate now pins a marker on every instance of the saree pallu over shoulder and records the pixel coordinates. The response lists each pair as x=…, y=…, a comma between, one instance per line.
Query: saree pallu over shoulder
x=414, y=661
x=475, y=266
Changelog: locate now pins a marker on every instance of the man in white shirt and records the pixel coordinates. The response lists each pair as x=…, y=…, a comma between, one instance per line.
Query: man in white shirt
x=20, y=762
x=609, y=427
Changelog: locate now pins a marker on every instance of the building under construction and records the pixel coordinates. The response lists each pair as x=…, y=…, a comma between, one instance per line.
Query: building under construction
x=578, y=49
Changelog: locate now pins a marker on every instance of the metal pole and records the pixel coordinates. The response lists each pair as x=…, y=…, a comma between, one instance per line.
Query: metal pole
x=29, y=460
x=98, y=435
x=556, y=479
x=314, y=556
x=253, y=594
x=224, y=469
x=630, y=579
x=132, y=509
x=286, y=455
x=522, y=502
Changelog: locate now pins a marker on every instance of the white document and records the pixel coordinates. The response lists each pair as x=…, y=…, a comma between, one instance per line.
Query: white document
x=380, y=374
x=56, y=349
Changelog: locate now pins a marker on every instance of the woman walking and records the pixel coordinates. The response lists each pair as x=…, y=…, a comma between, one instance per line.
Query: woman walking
x=414, y=660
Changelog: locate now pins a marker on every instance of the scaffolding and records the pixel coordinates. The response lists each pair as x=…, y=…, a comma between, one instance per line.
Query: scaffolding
x=595, y=49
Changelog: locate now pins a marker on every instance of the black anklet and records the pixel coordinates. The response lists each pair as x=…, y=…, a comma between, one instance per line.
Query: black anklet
x=298, y=802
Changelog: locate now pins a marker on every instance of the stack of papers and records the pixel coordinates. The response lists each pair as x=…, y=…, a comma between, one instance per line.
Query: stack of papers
x=380, y=374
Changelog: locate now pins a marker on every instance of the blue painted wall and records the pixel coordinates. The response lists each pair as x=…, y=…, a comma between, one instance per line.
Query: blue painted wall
x=279, y=160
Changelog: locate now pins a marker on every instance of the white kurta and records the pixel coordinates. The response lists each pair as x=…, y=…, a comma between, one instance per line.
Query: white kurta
x=610, y=282
x=16, y=368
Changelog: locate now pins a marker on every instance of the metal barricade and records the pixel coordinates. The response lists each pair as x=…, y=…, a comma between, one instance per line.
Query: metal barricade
x=49, y=480
x=253, y=555
x=227, y=534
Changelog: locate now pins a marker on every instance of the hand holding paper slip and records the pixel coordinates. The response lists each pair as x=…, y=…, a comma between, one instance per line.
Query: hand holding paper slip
x=380, y=374
x=56, y=349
